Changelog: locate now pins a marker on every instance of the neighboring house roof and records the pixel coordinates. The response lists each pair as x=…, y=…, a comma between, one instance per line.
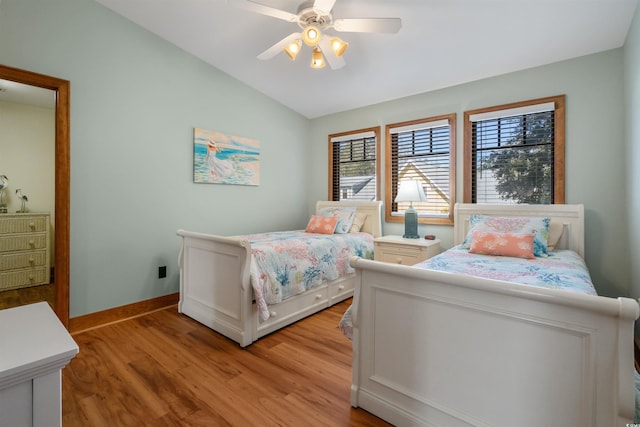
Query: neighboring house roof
x=435, y=178
x=436, y=184
x=359, y=187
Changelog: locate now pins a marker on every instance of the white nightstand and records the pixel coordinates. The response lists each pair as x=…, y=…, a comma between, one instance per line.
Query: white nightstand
x=398, y=250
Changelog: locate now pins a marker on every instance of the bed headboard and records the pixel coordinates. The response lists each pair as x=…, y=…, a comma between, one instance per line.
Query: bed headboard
x=373, y=223
x=570, y=216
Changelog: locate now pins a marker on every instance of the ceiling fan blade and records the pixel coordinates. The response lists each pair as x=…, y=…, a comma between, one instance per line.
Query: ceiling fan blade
x=368, y=25
x=277, y=48
x=264, y=10
x=323, y=7
x=335, y=62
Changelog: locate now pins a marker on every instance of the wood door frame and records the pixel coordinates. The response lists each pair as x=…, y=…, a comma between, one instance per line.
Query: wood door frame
x=62, y=178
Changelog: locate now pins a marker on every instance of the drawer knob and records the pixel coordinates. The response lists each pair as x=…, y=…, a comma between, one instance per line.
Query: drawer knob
x=32, y=242
x=399, y=261
x=318, y=296
x=273, y=314
x=32, y=224
x=31, y=277
x=31, y=260
x=341, y=287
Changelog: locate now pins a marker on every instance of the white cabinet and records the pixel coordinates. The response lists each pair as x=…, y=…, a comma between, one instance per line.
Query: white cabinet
x=34, y=347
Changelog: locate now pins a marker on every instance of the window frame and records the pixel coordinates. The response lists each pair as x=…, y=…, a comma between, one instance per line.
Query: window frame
x=342, y=135
x=388, y=201
x=559, y=144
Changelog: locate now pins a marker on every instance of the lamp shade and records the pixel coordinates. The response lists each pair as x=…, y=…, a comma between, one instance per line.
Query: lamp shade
x=317, y=60
x=293, y=48
x=311, y=35
x=410, y=191
x=339, y=46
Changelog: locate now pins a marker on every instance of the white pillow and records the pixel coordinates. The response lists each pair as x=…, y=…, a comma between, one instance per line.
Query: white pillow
x=555, y=233
x=358, y=222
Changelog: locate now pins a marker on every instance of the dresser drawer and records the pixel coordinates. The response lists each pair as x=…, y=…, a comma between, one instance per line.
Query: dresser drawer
x=19, y=242
x=21, y=278
x=28, y=224
x=16, y=260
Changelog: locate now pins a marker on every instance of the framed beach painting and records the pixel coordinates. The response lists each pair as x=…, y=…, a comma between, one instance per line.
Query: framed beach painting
x=219, y=158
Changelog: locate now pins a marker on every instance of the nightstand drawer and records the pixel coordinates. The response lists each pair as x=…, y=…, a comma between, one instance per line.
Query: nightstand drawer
x=399, y=256
x=397, y=250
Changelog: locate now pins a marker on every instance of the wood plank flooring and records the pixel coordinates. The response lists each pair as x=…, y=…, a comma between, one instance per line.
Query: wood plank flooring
x=165, y=369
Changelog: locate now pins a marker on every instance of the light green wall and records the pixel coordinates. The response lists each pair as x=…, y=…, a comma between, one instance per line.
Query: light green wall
x=632, y=189
x=135, y=100
x=594, y=145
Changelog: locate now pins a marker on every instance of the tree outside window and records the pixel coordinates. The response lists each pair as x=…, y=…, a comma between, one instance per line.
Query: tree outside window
x=515, y=153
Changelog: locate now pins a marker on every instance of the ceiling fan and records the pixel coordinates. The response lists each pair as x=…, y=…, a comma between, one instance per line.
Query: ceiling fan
x=314, y=17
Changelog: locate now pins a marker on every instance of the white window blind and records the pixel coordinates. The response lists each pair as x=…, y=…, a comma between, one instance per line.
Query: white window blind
x=354, y=166
x=513, y=155
x=422, y=151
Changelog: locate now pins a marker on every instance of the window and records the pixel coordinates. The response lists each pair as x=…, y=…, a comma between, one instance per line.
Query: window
x=515, y=153
x=422, y=150
x=354, y=165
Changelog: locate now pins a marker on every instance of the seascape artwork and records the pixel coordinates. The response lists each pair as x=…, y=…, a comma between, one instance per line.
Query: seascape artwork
x=219, y=158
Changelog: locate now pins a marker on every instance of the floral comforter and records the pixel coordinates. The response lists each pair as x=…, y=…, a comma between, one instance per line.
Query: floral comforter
x=562, y=269
x=287, y=263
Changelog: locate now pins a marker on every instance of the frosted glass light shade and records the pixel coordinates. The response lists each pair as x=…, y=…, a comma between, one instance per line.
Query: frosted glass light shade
x=339, y=46
x=311, y=35
x=317, y=60
x=293, y=48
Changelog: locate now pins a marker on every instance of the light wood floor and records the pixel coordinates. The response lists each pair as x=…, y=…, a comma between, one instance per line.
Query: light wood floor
x=164, y=369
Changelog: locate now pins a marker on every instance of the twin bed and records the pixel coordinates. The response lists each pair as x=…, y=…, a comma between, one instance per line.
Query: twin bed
x=449, y=349
x=442, y=347
x=223, y=287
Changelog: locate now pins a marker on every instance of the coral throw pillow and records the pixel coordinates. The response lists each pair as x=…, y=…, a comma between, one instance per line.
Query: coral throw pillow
x=538, y=226
x=503, y=244
x=322, y=224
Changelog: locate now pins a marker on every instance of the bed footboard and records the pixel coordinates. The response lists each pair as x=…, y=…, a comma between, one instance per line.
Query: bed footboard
x=434, y=348
x=214, y=284
x=215, y=289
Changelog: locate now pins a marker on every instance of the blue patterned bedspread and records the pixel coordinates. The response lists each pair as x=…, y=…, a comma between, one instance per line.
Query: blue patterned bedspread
x=562, y=269
x=287, y=263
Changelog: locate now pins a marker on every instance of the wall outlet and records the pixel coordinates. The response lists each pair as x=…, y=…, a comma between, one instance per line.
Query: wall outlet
x=162, y=272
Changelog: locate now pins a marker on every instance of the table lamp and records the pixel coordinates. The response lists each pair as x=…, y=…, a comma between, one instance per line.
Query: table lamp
x=410, y=191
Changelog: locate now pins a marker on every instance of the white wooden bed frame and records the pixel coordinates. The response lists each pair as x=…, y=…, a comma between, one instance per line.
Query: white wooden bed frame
x=215, y=288
x=441, y=349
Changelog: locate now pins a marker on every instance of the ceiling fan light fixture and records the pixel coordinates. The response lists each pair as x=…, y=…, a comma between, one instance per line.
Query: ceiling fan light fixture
x=317, y=60
x=311, y=35
x=293, y=48
x=339, y=46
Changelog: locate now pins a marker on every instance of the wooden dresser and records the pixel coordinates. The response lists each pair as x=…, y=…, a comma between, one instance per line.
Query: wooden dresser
x=24, y=250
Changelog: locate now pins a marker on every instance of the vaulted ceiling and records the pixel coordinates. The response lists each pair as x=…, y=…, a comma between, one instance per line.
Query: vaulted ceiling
x=441, y=43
